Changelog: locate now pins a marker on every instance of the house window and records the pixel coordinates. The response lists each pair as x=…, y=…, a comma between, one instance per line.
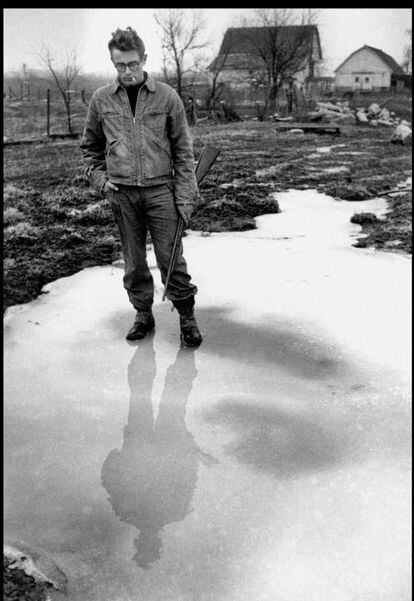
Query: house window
x=356, y=78
x=367, y=79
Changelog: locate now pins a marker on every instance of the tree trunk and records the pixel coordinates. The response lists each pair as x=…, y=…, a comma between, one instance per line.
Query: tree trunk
x=271, y=98
x=68, y=113
x=48, y=113
x=179, y=83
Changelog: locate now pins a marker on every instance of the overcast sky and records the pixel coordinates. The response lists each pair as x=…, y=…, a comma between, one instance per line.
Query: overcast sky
x=342, y=31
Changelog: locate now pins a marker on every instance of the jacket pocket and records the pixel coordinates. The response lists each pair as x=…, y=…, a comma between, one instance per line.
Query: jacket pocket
x=112, y=121
x=111, y=112
x=155, y=120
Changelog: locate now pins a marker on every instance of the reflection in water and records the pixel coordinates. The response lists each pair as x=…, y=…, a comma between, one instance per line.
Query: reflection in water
x=151, y=480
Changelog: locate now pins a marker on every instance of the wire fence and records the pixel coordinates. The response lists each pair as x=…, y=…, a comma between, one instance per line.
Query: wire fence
x=43, y=113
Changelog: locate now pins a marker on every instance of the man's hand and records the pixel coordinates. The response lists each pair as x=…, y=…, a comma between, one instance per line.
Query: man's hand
x=185, y=212
x=109, y=186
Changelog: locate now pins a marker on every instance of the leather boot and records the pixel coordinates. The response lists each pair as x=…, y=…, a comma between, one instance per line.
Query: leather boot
x=144, y=323
x=190, y=334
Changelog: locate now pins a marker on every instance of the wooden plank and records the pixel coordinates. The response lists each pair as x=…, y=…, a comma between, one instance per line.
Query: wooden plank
x=315, y=127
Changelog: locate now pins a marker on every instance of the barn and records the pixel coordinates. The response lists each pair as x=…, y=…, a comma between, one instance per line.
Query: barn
x=369, y=69
x=240, y=57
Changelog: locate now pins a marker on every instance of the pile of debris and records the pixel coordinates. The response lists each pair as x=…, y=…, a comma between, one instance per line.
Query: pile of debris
x=374, y=116
x=326, y=112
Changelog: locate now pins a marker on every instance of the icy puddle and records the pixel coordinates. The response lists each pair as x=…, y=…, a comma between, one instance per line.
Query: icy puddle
x=271, y=463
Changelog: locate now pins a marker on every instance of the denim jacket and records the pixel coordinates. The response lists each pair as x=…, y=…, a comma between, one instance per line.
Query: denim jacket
x=154, y=146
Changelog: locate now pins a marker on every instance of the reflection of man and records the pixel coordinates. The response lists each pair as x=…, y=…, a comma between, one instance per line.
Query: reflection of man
x=151, y=481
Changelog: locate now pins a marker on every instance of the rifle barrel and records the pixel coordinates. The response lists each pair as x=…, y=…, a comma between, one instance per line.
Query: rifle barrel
x=206, y=160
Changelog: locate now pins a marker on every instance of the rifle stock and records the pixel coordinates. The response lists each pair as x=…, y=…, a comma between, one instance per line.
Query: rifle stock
x=204, y=164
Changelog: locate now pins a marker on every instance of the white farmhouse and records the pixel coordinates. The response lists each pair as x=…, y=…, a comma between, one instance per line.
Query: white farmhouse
x=369, y=69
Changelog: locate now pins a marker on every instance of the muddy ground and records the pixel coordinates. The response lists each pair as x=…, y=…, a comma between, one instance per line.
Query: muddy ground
x=54, y=225
x=19, y=586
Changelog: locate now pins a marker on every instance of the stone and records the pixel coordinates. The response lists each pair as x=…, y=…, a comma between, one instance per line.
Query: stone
x=361, y=117
x=374, y=109
x=402, y=134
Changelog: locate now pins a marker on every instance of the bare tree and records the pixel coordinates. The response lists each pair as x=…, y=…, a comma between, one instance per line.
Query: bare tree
x=63, y=77
x=181, y=31
x=280, y=51
x=216, y=87
x=21, y=83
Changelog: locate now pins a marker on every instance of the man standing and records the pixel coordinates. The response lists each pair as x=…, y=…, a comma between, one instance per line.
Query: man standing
x=138, y=149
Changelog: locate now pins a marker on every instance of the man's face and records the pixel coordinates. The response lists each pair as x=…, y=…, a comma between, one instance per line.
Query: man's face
x=129, y=77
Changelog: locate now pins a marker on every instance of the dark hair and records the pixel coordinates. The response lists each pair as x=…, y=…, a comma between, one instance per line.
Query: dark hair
x=126, y=39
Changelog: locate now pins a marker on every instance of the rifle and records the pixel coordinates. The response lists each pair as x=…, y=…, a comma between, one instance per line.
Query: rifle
x=204, y=164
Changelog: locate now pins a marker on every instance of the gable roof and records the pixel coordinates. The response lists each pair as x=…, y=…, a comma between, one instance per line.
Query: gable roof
x=246, y=40
x=386, y=58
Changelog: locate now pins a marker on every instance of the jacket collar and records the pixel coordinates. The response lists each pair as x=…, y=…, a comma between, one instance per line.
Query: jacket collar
x=149, y=83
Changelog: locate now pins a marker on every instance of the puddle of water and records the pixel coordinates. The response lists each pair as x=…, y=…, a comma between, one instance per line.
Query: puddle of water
x=237, y=184
x=339, y=169
x=353, y=152
x=147, y=473
x=268, y=171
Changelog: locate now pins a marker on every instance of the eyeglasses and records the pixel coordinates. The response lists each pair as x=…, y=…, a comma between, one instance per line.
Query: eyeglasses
x=133, y=66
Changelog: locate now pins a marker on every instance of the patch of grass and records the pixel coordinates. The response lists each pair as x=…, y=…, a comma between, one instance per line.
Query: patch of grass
x=19, y=586
x=11, y=216
x=13, y=195
x=391, y=232
x=234, y=210
x=23, y=232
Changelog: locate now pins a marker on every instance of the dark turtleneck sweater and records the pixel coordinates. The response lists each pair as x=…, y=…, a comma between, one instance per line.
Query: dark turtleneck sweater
x=132, y=92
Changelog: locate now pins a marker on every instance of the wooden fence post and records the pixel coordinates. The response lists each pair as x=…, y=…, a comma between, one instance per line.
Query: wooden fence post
x=48, y=113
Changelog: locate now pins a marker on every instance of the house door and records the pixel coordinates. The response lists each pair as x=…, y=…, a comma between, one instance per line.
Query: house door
x=366, y=83
x=362, y=82
x=357, y=83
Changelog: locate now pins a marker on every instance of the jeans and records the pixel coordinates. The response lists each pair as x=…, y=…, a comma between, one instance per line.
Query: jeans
x=137, y=210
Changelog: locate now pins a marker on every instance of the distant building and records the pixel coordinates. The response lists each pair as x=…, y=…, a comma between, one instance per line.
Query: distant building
x=239, y=59
x=369, y=69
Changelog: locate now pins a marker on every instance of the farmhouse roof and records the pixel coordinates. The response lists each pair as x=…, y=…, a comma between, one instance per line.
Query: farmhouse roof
x=246, y=40
x=386, y=58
